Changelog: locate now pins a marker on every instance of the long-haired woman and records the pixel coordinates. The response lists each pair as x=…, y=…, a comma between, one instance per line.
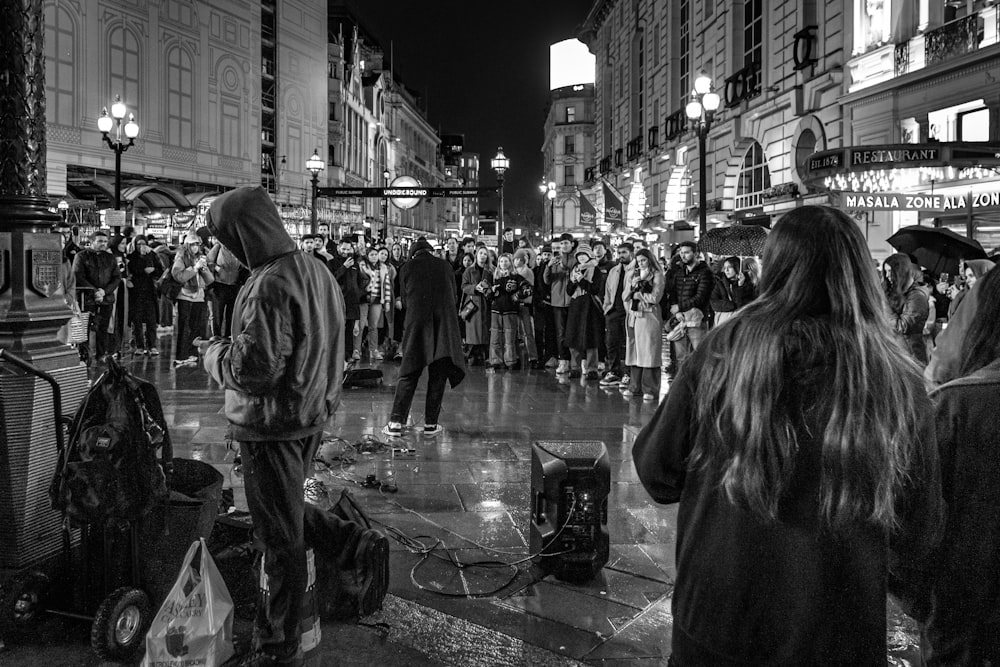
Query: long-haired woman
x=964, y=624
x=801, y=447
x=908, y=305
x=477, y=282
x=644, y=284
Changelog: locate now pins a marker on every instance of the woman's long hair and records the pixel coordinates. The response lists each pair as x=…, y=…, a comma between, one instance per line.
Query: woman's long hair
x=820, y=314
x=981, y=345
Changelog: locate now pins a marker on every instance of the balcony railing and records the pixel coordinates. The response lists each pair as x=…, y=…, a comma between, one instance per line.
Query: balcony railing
x=605, y=165
x=618, y=158
x=634, y=148
x=675, y=125
x=952, y=39
x=589, y=174
x=653, y=137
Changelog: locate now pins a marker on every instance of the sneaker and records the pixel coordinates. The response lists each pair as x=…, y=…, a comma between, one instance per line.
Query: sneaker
x=563, y=367
x=609, y=379
x=377, y=356
x=153, y=352
x=371, y=570
x=393, y=430
x=649, y=397
x=432, y=429
x=552, y=362
x=140, y=352
x=574, y=374
x=592, y=375
x=624, y=382
x=398, y=356
x=356, y=356
x=627, y=393
x=190, y=361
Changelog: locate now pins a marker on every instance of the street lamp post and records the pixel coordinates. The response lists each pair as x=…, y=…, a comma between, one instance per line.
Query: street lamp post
x=701, y=110
x=385, y=204
x=314, y=165
x=500, y=163
x=131, y=130
x=550, y=192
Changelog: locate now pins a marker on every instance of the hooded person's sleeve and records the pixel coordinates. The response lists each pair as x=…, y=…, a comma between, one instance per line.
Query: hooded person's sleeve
x=255, y=360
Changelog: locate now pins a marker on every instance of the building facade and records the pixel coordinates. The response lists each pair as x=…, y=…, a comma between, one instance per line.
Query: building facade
x=567, y=152
x=779, y=68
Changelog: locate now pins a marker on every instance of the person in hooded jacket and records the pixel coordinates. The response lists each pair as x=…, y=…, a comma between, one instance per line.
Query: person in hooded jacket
x=431, y=337
x=282, y=370
x=908, y=305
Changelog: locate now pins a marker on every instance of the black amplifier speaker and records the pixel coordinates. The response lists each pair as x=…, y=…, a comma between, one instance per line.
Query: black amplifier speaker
x=570, y=482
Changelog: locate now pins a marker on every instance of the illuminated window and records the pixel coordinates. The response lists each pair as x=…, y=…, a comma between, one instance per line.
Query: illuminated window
x=754, y=178
x=969, y=121
x=570, y=114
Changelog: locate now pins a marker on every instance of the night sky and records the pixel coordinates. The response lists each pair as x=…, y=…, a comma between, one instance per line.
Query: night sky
x=483, y=68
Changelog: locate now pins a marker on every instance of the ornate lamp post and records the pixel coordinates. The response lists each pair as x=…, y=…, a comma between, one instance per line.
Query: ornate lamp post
x=385, y=203
x=550, y=192
x=131, y=130
x=701, y=110
x=500, y=164
x=314, y=165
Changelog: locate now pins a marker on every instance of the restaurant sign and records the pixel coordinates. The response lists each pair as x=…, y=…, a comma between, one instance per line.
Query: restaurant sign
x=918, y=201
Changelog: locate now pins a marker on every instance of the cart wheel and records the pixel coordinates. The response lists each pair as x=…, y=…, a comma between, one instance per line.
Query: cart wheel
x=120, y=624
x=22, y=598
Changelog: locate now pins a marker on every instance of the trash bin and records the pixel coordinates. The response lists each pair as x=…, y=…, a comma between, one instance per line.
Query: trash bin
x=169, y=529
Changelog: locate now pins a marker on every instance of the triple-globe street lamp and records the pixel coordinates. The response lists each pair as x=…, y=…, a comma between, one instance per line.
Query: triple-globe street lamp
x=701, y=110
x=500, y=164
x=314, y=165
x=131, y=130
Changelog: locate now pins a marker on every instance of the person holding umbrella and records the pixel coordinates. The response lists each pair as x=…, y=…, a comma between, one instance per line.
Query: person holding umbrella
x=908, y=307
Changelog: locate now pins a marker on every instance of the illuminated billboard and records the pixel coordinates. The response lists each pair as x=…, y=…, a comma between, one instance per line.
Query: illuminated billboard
x=570, y=63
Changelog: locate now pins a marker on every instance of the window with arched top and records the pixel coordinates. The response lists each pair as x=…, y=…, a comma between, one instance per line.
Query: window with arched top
x=754, y=178
x=60, y=65
x=124, y=67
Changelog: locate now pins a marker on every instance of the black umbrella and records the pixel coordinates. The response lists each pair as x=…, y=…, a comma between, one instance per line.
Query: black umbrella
x=739, y=240
x=937, y=249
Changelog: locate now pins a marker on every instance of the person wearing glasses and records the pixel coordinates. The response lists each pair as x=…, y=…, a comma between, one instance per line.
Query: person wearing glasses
x=191, y=271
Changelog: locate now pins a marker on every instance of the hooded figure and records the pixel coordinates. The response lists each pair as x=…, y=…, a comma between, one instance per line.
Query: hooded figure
x=282, y=372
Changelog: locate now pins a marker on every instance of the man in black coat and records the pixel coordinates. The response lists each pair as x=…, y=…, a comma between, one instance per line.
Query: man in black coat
x=689, y=292
x=431, y=337
x=96, y=272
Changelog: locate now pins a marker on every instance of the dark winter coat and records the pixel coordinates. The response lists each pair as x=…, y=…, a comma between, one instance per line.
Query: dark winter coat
x=143, y=306
x=477, y=328
x=788, y=592
x=585, y=319
x=284, y=367
x=907, y=318
x=353, y=284
x=691, y=289
x=964, y=624
x=728, y=295
x=430, y=331
x=505, y=289
x=93, y=269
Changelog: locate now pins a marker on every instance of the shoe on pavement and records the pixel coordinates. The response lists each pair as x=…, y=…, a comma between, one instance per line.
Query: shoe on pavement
x=433, y=429
x=356, y=356
x=552, y=362
x=624, y=382
x=393, y=430
x=153, y=352
x=627, y=393
x=649, y=397
x=609, y=379
x=563, y=367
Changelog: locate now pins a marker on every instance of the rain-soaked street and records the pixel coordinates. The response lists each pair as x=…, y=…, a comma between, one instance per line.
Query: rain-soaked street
x=468, y=488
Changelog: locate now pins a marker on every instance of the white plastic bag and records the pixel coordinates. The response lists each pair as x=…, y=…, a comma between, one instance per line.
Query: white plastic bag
x=195, y=624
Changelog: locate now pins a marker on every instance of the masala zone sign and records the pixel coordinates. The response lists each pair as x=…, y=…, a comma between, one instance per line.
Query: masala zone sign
x=918, y=201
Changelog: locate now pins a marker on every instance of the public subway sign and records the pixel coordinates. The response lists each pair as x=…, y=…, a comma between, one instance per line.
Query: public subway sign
x=919, y=201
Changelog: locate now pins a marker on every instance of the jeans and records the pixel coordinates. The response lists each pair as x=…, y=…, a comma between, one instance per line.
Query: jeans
x=503, y=338
x=614, y=341
x=560, y=315
x=371, y=313
x=406, y=386
x=528, y=331
x=192, y=319
x=685, y=346
x=644, y=380
x=223, y=300
x=273, y=474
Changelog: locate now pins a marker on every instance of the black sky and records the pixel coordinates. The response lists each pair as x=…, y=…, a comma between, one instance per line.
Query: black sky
x=483, y=67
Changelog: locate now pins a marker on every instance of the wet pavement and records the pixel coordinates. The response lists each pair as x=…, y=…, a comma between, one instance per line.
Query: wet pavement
x=466, y=490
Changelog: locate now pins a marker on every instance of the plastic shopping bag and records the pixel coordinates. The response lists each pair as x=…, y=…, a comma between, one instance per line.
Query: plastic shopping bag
x=195, y=624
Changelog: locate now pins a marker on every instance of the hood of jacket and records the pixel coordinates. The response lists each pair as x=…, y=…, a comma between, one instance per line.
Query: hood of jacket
x=247, y=223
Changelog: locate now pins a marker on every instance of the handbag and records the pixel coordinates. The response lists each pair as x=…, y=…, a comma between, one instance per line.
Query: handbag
x=468, y=310
x=195, y=624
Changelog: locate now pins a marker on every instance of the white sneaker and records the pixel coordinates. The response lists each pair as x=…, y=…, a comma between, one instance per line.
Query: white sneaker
x=627, y=393
x=648, y=397
x=432, y=429
x=624, y=382
x=563, y=367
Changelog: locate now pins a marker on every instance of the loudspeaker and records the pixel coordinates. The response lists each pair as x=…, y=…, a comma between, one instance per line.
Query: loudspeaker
x=570, y=482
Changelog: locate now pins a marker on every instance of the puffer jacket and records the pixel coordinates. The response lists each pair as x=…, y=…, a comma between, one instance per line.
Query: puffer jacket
x=283, y=369
x=691, y=289
x=224, y=265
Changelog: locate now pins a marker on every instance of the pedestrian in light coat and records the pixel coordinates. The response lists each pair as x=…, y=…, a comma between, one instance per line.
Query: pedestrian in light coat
x=644, y=284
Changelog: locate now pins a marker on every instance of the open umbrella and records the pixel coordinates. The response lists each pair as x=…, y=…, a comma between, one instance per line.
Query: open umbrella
x=937, y=249
x=740, y=240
